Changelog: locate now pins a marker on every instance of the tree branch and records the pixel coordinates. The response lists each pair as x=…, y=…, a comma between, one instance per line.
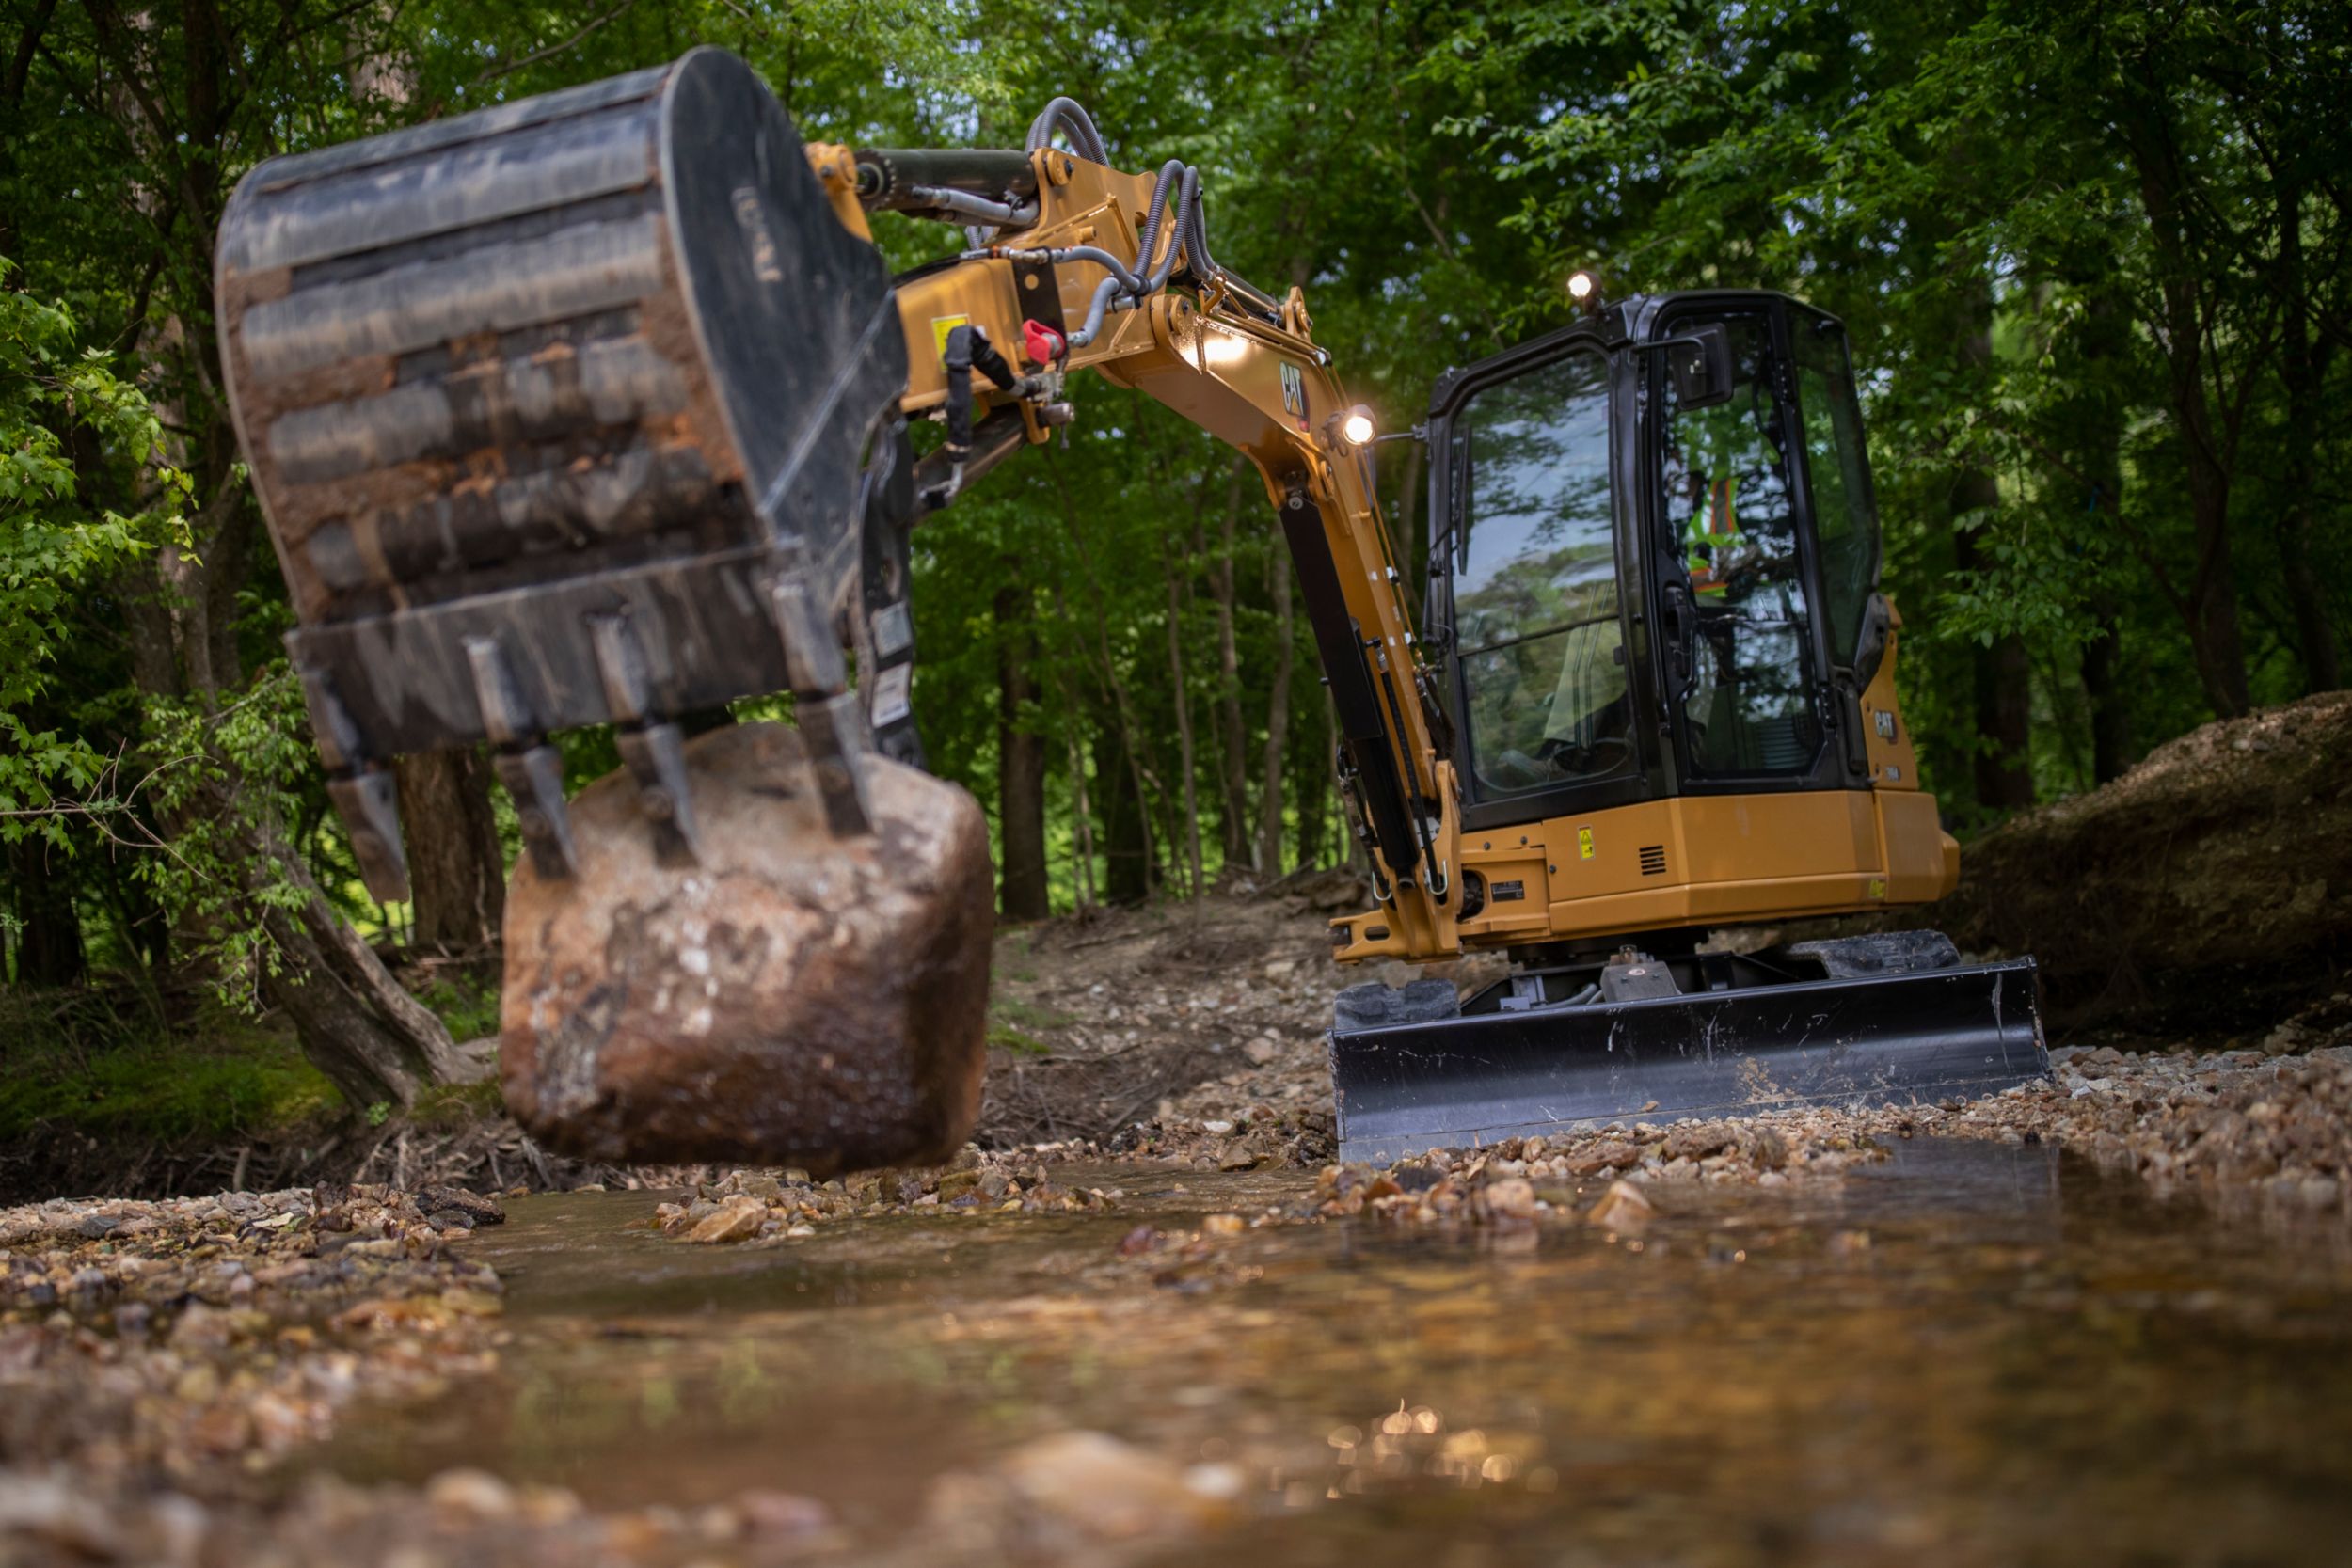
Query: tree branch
x=554, y=49
x=20, y=64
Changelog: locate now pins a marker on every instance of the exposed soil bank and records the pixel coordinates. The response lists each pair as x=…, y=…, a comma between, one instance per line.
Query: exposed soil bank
x=2209, y=887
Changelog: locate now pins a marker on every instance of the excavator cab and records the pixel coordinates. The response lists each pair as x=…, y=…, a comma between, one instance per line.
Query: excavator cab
x=1654, y=561
x=1653, y=585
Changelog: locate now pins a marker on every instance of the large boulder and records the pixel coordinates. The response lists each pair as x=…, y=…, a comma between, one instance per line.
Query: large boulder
x=795, y=999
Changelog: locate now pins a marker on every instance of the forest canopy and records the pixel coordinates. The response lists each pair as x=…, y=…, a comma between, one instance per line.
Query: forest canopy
x=2093, y=259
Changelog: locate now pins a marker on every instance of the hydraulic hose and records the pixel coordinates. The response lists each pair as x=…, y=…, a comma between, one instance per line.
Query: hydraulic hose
x=1164, y=190
x=1179, y=185
x=964, y=204
x=967, y=348
x=1174, y=215
x=1197, y=246
x=1065, y=113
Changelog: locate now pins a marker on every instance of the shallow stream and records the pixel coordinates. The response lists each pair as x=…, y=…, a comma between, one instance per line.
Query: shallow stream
x=1973, y=1353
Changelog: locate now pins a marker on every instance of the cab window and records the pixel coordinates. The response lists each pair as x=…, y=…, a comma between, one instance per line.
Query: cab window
x=1748, y=708
x=1536, y=612
x=1838, y=465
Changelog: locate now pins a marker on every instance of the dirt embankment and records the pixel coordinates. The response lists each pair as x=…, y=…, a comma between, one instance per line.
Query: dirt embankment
x=2209, y=887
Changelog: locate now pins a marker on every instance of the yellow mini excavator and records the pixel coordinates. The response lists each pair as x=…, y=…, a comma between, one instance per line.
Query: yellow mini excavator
x=592, y=410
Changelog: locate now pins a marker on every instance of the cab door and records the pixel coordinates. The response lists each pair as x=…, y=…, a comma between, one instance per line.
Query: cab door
x=1746, y=675
x=1529, y=539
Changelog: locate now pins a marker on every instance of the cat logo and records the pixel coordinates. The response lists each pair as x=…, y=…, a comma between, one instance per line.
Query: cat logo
x=1294, y=392
x=756, y=239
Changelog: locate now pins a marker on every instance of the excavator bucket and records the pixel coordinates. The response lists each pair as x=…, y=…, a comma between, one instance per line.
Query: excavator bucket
x=1414, y=1070
x=581, y=411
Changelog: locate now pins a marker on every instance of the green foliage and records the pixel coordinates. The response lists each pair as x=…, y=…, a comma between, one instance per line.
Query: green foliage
x=1019, y=1042
x=468, y=1005
x=229, y=775
x=71, y=432
x=147, y=1084
x=456, y=1105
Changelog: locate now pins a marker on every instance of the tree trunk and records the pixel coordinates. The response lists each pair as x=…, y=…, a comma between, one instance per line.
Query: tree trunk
x=2208, y=608
x=1126, y=848
x=21, y=51
x=1082, y=818
x=374, y=1042
x=48, y=939
x=2107, y=343
x=1189, y=799
x=1142, y=778
x=1234, y=814
x=2102, y=685
x=1277, y=717
x=2302, y=374
x=1410, y=535
x=457, y=866
x=1317, y=788
x=2002, y=674
x=1022, y=890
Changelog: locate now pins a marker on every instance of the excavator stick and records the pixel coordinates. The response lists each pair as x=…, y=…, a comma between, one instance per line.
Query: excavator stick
x=1413, y=1069
x=583, y=410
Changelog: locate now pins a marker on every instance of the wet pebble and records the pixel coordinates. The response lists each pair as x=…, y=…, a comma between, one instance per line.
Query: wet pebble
x=1623, y=1208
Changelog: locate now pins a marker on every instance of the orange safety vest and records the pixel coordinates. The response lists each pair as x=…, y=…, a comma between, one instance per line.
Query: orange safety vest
x=1704, y=533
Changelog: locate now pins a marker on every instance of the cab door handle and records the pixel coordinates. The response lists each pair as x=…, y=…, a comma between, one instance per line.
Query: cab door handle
x=1681, y=618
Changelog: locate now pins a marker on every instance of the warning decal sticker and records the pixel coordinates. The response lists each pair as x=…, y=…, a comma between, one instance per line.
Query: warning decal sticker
x=941, y=327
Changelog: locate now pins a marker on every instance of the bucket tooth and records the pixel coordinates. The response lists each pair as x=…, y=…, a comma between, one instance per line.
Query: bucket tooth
x=828, y=712
x=363, y=793
x=533, y=777
x=835, y=727
x=655, y=756
x=367, y=800
x=530, y=768
x=651, y=746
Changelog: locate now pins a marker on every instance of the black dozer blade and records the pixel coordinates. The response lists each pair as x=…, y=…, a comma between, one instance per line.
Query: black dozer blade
x=1432, y=1080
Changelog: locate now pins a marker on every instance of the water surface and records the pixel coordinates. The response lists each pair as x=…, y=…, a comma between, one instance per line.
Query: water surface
x=1974, y=1354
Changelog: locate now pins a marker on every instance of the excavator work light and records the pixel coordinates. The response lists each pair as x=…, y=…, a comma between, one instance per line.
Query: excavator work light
x=1356, y=426
x=1583, y=286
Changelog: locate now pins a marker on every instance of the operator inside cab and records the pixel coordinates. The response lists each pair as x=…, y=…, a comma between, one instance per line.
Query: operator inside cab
x=1748, y=709
x=1536, y=592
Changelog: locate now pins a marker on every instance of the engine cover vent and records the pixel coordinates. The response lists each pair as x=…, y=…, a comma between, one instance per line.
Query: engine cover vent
x=1654, y=860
